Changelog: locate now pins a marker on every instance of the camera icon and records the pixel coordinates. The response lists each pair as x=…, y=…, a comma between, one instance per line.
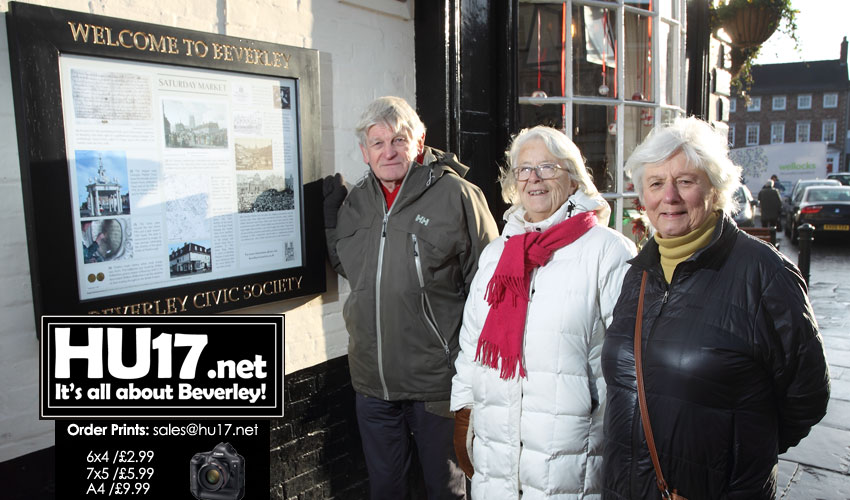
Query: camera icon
x=218, y=474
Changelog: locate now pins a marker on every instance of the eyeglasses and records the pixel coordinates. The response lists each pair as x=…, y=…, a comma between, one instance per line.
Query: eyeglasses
x=543, y=171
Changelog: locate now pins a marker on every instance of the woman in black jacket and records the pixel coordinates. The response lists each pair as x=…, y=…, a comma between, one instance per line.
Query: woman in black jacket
x=733, y=365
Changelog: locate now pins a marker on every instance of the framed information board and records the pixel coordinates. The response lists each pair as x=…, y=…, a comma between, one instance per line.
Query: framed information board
x=163, y=168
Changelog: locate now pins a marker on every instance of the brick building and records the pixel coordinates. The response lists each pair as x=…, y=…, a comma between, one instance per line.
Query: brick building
x=189, y=258
x=796, y=102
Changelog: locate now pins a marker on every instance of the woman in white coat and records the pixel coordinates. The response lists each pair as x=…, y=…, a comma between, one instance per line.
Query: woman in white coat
x=529, y=395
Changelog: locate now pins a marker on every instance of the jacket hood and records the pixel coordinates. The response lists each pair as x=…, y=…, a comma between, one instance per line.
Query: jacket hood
x=577, y=203
x=436, y=159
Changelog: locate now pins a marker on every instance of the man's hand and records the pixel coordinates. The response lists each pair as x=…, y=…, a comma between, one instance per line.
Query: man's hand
x=462, y=429
x=333, y=193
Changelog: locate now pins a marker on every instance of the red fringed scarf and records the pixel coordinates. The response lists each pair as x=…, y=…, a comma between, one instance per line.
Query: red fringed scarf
x=507, y=292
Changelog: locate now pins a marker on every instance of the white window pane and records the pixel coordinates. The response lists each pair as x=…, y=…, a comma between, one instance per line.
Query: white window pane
x=551, y=115
x=668, y=65
x=830, y=100
x=803, y=132
x=594, y=58
x=597, y=130
x=540, y=73
x=638, y=63
x=804, y=101
x=752, y=135
x=667, y=8
x=829, y=131
x=668, y=115
x=777, y=133
x=638, y=122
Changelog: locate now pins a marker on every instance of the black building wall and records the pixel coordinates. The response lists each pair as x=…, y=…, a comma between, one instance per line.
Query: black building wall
x=315, y=447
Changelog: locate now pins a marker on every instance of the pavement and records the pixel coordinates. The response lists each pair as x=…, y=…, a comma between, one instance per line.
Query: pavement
x=819, y=467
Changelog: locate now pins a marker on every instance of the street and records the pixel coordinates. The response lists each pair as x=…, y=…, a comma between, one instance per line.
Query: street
x=819, y=467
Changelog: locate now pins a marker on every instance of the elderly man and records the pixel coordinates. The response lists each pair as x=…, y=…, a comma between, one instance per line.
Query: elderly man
x=407, y=237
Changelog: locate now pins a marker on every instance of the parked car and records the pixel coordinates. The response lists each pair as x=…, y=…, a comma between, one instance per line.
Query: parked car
x=790, y=205
x=827, y=208
x=842, y=177
x=745, y=216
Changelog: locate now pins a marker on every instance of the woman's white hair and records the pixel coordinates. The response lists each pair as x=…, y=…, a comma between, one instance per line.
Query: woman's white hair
x=704, y=148
x=560, y=146
x=395, y=113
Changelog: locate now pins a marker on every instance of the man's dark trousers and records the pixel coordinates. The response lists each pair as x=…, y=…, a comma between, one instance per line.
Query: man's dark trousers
x=388, y=430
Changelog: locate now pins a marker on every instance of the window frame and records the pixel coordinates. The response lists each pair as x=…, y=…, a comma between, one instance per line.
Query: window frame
x=750, y=127
x=773, y=135
x=732, y=104
x=754, y=104
x=804, y=96
x=731, y=135
x=667, y=23
x=808, y=125
x=776, y=107
x=834, y=126
x=833, y=96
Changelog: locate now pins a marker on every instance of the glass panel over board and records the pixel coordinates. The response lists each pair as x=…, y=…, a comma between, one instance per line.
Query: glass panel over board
x=638, y=58
x=594, y=55
x=595, y=134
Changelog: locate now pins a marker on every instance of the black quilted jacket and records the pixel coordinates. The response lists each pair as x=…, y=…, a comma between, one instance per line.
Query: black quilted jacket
x=734, y=371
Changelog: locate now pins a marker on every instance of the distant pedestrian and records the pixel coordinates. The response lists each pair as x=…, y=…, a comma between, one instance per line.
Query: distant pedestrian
x=770, y=203
x=778, y=185
x=733, y=366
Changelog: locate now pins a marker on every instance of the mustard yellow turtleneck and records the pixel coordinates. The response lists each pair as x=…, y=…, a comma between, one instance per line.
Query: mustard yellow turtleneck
x=678, y=249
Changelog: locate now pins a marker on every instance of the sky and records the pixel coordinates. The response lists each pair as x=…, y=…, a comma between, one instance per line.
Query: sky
x=821, y=25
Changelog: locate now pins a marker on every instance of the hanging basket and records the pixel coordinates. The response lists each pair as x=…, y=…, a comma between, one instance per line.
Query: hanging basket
x=751, y=26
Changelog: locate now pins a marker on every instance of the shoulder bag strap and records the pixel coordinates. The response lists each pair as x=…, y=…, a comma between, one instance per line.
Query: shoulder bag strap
x=644, y=412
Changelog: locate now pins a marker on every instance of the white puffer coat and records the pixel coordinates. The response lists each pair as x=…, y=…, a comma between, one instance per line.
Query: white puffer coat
x=541, y=436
